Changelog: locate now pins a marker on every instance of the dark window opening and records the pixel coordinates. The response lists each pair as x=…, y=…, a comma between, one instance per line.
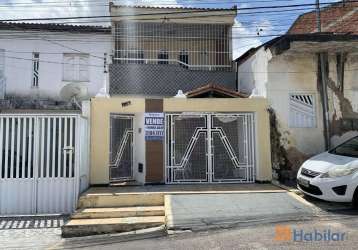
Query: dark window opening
x=184, y=59
x=163, y=57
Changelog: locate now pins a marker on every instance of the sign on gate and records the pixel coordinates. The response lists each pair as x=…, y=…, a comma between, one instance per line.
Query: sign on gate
x=154, y=126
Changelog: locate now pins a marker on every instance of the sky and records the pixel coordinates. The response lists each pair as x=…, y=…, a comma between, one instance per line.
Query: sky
x=251, y=28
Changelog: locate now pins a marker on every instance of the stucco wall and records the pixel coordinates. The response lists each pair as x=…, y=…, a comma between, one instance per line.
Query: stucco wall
x=295, y=75
x=253, y=74
x=100, y=134
x=343, y=106
x=277, y=77
x=18, y=61
x=100, y=129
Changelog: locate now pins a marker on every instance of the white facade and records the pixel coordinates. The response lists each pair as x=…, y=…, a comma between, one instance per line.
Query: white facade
x=17, y=50
x=276, y=78
x=293, y=73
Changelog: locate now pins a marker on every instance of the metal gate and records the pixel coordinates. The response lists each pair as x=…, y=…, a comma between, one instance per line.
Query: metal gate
x=121, y=147
x=210, y=148
x=38, y=171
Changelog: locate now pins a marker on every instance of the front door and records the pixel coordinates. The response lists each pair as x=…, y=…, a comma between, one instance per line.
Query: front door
x=121, y=147
x=203, y=148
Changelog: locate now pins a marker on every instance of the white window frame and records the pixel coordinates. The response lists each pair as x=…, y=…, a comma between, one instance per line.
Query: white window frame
x=76, y=66
x=291, y=119
x=35, y=76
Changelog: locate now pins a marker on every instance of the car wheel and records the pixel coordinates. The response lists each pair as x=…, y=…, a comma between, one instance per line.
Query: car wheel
x=355, y=199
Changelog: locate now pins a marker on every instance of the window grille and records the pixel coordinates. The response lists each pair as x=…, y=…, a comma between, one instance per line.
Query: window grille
x=75, y=67
x=184, y=59
x=208, y=46
x=302, y=111
x=35, y=69
x=163, y=57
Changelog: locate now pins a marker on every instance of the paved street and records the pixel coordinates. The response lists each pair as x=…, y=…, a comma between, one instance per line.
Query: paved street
x=44, y=233
x=259, y=236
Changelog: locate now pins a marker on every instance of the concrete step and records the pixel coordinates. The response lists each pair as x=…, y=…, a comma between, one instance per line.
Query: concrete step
x=86, y=227
x=120, y=200
x=118, y=212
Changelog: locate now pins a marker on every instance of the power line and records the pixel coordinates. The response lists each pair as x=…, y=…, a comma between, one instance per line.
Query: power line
x=164, y=13
x=52, y=62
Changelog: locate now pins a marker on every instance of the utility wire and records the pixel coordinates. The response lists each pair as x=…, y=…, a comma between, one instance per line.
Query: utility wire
x=164, y=13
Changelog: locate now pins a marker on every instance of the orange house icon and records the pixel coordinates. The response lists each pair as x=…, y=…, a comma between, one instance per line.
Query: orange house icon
x=283, y=233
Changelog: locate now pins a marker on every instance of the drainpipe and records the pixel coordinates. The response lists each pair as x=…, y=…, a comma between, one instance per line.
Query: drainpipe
x=324, y=96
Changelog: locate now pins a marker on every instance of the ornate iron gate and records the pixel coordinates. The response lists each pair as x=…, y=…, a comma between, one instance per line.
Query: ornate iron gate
x=121, y=147
x=38, y=166
x=210, y=148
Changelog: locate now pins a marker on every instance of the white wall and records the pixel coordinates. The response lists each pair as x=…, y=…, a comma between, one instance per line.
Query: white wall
x=277, y=77
x=139, y=147
x=295, y=75
x=252, y=74
x=18, y=65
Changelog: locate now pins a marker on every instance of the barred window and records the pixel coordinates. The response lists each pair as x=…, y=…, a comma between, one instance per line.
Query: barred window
x=75, y=67
x=163, y=57
x=302, y=111
x=35, y=69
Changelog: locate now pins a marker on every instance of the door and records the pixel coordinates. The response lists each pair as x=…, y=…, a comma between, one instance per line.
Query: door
x=121, y=147
x=38, y=171
x=203, y=148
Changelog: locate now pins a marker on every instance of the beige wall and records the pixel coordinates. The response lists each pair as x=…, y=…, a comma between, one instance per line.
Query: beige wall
x=175, y=15
x=257, y=105
x=100, y=132
x=102, y=107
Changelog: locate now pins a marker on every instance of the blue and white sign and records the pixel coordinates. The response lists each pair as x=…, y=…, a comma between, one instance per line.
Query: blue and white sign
x=154, y=126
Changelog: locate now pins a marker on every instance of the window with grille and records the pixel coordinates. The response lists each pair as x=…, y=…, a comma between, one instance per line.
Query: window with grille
x=75, y=67
x=163, y=57
x=184, y=58
x=35, y=69
x=302, y=111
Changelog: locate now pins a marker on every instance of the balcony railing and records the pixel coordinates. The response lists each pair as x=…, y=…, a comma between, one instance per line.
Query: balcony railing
x=173, y=61
x=191, y=46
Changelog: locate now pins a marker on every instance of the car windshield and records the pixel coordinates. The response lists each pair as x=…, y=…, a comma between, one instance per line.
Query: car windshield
x=349, y=148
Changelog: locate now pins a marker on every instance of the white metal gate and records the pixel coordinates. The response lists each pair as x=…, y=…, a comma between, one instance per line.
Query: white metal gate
x=210, y=148
x=39, y=170
x=121, y=147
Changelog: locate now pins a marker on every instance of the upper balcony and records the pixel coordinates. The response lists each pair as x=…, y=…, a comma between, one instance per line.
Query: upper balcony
x=161, y=58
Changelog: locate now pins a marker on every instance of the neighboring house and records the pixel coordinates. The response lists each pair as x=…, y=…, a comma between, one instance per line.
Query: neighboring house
x=143, y=133
x=287, y=71
x=46, y=71
x=50, y=57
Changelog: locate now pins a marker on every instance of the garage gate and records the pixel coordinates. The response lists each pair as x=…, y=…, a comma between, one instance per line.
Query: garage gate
x=210, y=148
x=39, y=167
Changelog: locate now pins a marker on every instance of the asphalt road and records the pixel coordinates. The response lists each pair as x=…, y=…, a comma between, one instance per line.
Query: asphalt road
x=44, y=233
x=259, y=236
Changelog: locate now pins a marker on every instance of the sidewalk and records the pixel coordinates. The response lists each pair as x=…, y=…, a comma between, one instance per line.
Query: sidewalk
x=197, y=212
x=38, y=232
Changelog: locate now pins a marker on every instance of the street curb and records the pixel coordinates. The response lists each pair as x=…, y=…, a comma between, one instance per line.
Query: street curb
x=287, y=188
x=93, y=240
